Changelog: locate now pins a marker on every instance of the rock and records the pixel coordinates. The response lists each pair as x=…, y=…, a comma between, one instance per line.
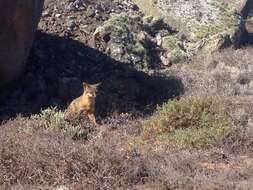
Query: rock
x=77, y=5
x=245, y=29
x=249, y=25
x=245, y=7
x=165, y=61
x=18, y=22
x=159, y=39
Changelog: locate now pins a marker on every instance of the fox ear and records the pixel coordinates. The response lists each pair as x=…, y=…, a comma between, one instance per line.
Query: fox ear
x=95, y=85
x=85, y=85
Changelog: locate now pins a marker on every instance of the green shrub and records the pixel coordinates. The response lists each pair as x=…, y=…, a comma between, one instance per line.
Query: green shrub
x=174, y=46
x=193, y=121
x=54, y=119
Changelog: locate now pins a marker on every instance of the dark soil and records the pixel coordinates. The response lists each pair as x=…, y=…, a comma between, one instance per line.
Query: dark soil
x=62, y=58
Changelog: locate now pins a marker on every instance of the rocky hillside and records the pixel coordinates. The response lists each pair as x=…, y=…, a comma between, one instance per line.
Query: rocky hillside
x=174, y=104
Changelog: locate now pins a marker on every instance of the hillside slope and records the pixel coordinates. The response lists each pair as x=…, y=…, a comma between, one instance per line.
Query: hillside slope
x=170, y=119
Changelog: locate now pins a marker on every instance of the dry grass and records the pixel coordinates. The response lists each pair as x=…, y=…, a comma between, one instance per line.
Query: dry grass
x=41, y=152
x=148, y=8
x=46, y=158
x=231, y=57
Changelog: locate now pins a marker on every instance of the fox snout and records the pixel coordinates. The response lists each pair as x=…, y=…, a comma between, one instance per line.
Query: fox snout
x=91, y=95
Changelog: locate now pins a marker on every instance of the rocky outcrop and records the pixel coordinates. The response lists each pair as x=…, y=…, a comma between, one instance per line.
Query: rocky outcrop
x=132, y=39
x=171, y=31
x=18, y=22
x=207, y=25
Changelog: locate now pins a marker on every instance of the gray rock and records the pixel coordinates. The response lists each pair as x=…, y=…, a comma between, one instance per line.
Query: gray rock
x=242, y=35
x=245, y=7
x=18, y=22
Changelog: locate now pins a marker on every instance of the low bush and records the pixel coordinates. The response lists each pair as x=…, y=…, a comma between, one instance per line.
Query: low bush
x=194, y=121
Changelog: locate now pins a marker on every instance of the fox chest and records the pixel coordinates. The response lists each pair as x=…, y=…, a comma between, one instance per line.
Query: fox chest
x=87, y=105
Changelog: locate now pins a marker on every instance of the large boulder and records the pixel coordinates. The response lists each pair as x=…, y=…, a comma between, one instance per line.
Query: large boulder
x=245, y=8
x=245, y=33
x=18, y=22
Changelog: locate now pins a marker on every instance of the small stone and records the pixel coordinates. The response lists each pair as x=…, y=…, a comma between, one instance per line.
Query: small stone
x=142, y=36
x=58, y=15
x=165, y=61
x=159, y=39
x=45, y=13
x=116, y=51
x=136, y=59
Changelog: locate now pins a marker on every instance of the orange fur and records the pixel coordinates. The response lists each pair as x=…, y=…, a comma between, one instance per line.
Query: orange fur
x=85, y=103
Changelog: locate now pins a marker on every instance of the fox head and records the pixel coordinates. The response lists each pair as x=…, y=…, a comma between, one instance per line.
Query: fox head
x=90, y=90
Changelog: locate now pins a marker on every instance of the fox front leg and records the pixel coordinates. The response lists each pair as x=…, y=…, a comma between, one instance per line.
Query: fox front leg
x=92, y=118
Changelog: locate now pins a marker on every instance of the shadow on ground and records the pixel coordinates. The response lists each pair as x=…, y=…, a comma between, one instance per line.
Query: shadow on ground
x=57, y=67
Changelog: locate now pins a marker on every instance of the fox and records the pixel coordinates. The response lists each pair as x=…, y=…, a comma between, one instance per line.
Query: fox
x=85, y=104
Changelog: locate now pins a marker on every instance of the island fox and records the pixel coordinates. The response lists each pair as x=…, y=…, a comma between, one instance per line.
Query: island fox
x=86, y=102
